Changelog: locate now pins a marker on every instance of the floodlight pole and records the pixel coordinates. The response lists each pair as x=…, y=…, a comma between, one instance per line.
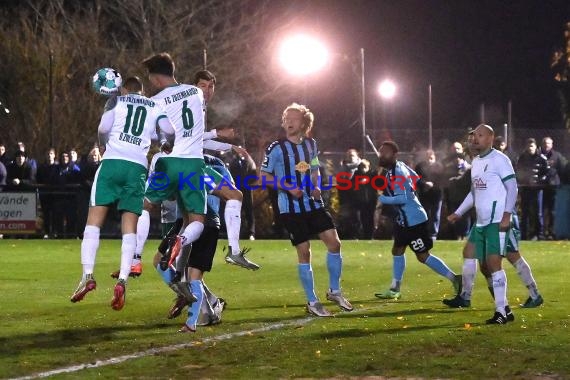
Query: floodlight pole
x=363, y=104
x=50, y=100
x=205, y=59
x=509, y=122
x=430, y=125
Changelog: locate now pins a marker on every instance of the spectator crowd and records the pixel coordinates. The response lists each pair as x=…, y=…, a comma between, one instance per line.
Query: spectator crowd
x=446, y=180
x=64, y=182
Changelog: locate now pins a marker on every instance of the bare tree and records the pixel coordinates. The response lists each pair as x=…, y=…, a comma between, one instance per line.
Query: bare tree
x=561, y=72
x=80, y=37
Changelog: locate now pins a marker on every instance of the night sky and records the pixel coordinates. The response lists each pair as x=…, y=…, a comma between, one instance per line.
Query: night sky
x=472, y=52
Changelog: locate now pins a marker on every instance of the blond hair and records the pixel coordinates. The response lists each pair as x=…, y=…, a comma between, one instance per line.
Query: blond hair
x=308, y=117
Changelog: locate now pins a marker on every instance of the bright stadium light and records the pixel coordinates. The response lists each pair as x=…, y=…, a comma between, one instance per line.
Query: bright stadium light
x=387, y=89
x=303, y=55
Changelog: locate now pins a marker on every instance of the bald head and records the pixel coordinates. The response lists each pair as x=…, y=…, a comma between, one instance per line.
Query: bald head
x=483, y=138
x=484, y=128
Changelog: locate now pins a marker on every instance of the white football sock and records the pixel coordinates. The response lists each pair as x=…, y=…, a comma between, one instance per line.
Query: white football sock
x=525, y=273
x=212, y=298
x=89, y=247
x=192, y=232
x=500, y=289
x=182, y=259
x=127, y=250
x=232, y=216
x=206, y=307
x=143, y=226
x=468, y=273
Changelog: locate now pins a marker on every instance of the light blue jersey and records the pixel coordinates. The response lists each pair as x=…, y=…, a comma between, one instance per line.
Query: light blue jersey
x=401, y=182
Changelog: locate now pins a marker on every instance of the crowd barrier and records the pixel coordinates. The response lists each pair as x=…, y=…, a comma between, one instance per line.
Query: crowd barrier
x=61, y=212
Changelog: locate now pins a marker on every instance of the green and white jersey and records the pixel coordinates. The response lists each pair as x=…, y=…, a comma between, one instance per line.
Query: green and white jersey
x=129, y=124
x=488, y=174
x=184, y=105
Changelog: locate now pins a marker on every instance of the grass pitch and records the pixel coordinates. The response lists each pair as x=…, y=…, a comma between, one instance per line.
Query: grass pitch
x=417, y=336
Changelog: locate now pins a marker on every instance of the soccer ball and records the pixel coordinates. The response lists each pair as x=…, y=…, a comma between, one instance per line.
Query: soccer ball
x=107, y=81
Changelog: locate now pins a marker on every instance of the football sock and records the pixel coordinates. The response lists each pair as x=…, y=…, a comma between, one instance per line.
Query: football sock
x=174, y=230
x=89, y=246
x=143, y=226
x=500, y=290
x=398, y=268
x=182, y=259
x=469, y=271
x=166, y=275
x=439, y=267
x=194, y=310
x=306, y=276
x=525, y=273
x=232, y=217
x=127, y=250
x=192, y=232
x=206, y=307
x=334, y=266
x=212, y=298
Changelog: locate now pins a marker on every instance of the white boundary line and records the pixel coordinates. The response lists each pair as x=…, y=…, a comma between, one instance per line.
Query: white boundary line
x=160, y=350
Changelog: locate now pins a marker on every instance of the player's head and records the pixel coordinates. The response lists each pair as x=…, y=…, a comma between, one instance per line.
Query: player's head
x=388, y=153
x=132, y=85
x=206, y=81
x=483, y=137
x=160, y=68
x=297, y=119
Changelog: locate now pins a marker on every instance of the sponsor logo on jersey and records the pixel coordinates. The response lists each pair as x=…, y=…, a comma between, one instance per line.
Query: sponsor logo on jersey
x=480, y=184
x=302, y=167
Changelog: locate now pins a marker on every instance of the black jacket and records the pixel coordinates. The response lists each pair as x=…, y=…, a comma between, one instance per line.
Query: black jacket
x=532, y=169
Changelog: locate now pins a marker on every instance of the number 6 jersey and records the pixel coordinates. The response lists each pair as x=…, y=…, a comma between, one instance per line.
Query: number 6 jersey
x=184, y=105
